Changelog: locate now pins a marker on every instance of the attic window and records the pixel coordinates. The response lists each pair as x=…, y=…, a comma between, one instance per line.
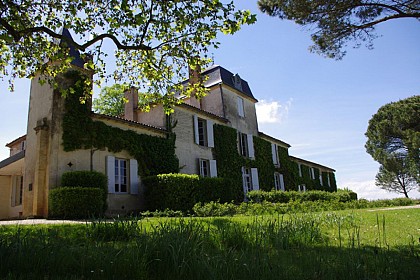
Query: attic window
x=237, y=82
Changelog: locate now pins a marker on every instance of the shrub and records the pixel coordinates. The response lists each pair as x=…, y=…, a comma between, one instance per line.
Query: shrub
x=76, y=202
x=315, y=195
x=87, y=179
x=182, y=191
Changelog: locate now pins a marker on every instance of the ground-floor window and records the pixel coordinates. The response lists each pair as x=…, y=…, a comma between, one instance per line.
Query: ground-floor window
x=279, y=181
x=250, y=179
x=122, y=175
x=207, y=168
x=302, y=188
x=17, y=191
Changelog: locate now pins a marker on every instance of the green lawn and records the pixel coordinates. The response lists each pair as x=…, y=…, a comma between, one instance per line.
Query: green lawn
x=351, y=244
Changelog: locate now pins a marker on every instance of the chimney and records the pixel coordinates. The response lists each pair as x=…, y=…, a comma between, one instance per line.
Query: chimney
x=130, y=107
x=194, y=78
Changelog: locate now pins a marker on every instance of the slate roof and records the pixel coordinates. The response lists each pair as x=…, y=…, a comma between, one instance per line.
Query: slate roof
x=73, y=52
x=12, y=159
x=312, y=163
x=217, y=74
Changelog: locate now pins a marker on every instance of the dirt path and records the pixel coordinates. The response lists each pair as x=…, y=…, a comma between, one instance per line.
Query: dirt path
x=394, y=208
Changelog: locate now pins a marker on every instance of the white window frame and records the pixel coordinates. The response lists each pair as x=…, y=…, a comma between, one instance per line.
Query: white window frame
x=204, y=167
x=241, y=107
x=131, y=174
x=300, y=169
x=328, y=180
x=250, y=180
x=207, y=168
x=203, y=132
x=279, y=181
x=246, y=145
x=302, y=188
x=275, y=154
x=320, y=178
x=312, y=173
x=121, y=180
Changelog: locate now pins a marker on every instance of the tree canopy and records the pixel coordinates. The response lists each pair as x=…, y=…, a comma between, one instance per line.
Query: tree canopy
x=335, y=23
x=111, y=100
x=394, y=141
x=153, y=41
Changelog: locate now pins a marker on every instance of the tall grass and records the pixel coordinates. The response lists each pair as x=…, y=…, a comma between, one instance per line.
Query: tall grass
x=297, y=246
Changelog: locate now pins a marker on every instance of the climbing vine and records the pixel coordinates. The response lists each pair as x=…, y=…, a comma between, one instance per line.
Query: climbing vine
x=155, y=155
x=229, y=161
x=264, y=162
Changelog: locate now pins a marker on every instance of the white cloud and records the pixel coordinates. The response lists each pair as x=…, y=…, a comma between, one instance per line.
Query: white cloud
x=368, y=190
x=272, y=112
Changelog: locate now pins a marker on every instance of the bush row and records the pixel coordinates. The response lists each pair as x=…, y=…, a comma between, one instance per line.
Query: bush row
x=285, y=197
x=180, y=192
x=213, y=209
x=83, y=195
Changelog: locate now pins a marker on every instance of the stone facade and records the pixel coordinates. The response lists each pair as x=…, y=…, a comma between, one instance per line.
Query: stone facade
x=229, y=102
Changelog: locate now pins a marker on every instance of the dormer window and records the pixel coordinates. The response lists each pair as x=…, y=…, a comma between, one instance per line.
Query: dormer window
x=237, y=82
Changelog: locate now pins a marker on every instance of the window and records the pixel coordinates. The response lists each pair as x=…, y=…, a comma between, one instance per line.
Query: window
x=23, y=145
x=302, y=188
x=122, y=175
x=207, y=167
x=203, y=132
x=250, y=179
x=275, y=154
x=312, y=173
x=328, y=180
x=17, y=191
x=246, y=145
x=320, y=179
x=279, y=181
x=241, y=111
x=300, y=169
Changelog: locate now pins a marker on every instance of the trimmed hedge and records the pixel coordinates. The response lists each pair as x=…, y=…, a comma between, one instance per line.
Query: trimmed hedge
x=285, y=197
x=76, y=202
x=87, y=179
x=183, y=191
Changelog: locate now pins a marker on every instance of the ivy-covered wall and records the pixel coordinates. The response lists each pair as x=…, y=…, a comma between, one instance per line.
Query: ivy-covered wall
x=229, y=162
x=289, y=169
x=155, y=155
x=264, y=162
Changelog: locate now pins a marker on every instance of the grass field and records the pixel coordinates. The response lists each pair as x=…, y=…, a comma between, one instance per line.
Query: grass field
x=357, y=244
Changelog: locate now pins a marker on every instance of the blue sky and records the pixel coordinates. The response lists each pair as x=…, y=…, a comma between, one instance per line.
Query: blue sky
x=319, y=106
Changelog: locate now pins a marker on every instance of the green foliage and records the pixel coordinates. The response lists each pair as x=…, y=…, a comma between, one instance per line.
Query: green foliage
x=87, y=179
x=394, y=141
x=304, y=246
x=264, y=163
x=396, y=178
x=229, y=162
x=182, y=191
x=315, y=195
x=154, y=41
x=111, y=100
x=289, y=169
x=337, y=23
x=267, y=207
x=155, y=155
x=76, y=202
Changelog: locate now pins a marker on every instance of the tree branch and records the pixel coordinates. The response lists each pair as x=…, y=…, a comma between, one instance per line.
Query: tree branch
x=17, y=35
